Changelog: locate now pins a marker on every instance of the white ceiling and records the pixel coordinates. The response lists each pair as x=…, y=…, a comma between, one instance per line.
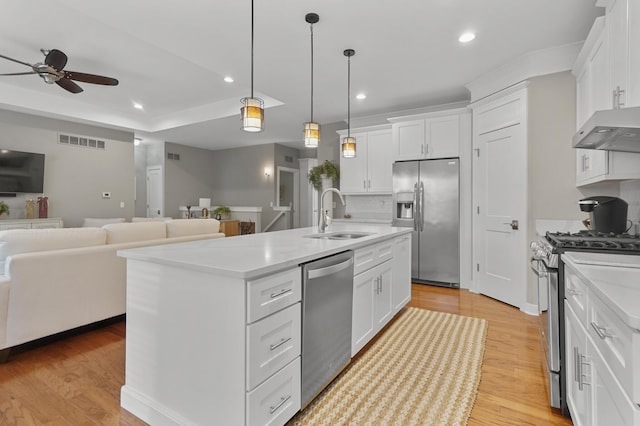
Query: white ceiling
x=172, y=56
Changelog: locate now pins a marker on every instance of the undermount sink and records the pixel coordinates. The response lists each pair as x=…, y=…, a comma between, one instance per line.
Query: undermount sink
x=340, y=235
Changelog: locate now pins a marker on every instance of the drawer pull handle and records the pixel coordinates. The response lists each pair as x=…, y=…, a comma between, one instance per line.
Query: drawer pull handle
x=280, y=404
x=601, y=331
x=280, y=343
x=280, y=293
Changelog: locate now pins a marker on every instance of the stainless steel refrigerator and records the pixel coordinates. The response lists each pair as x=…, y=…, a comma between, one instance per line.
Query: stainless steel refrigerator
x=426, y=198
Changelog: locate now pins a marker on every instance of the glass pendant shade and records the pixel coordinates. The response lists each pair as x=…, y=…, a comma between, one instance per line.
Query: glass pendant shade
x=349, y=147
x=252, y=114
x=311, y=134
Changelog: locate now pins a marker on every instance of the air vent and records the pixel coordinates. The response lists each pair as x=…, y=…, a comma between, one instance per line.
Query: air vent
x=172, y=156
x=288, y=159
x=81, y=141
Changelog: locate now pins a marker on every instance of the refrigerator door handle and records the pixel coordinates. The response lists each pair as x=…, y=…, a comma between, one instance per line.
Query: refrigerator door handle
x=415, y=207
x=421, y=202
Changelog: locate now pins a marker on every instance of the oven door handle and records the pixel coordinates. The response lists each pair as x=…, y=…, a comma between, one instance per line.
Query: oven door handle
x=536, y=269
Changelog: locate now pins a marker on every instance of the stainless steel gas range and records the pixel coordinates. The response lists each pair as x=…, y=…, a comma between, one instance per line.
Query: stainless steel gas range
x=547, y=264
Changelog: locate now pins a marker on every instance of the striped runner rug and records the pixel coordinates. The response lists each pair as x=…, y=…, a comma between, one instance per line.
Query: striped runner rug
x=424, y=369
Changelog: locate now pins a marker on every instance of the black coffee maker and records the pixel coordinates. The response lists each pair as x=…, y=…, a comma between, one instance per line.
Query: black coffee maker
x=607, y=214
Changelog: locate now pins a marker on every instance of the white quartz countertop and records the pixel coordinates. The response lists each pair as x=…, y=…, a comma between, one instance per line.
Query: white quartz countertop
x=254, y=255
x=614, y=278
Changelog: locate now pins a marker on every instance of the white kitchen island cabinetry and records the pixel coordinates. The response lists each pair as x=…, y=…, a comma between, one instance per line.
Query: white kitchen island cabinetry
x=593, y=71
x=214, y=326
x=602, y=339
x=370, y=171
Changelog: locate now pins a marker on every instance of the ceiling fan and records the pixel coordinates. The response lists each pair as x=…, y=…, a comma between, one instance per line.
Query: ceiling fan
x=51, y=71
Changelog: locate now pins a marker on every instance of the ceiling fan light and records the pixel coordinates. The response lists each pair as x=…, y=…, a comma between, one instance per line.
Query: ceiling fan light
x=311, y=134
x=349, y=147
x=252, y=114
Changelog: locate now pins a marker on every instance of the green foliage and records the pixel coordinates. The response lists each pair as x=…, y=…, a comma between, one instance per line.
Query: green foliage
x=222, y=211
x=4, y=208
x=329, y=169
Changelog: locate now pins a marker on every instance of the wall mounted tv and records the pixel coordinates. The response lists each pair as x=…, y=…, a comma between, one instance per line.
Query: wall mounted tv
x=21, y=172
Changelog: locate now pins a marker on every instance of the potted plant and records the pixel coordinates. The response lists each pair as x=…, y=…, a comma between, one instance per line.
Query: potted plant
x=4, y=208
x=327, y=169
x=221, y=212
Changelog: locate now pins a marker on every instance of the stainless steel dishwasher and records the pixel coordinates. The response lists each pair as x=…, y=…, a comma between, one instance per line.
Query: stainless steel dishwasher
x=327, y=296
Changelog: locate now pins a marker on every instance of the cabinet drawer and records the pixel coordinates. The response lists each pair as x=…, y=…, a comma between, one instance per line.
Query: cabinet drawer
x=272, y=343
x=616, y=342
x=273, y=293
x=368, y=257
x=276, y=400
x=575, y=291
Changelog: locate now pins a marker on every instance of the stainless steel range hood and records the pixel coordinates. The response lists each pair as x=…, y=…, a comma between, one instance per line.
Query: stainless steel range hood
x=613, y=130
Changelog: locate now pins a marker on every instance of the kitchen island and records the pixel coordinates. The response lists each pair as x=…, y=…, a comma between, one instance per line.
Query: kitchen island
x=214, y=326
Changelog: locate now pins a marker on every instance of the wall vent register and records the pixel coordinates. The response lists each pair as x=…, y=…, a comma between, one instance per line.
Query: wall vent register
x=82, y=141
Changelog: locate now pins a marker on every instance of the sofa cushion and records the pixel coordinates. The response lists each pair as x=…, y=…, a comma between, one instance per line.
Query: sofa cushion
x=100, y=221
x=138, y=231
x=184, y=227
x=16, y=241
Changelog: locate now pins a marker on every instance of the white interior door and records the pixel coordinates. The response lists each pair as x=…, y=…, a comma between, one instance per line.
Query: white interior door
x=155, y=191
x=500, y=181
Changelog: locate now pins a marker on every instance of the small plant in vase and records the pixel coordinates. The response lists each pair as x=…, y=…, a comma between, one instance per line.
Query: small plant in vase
x=4, y=208
x=328, y=169
x=221, y=212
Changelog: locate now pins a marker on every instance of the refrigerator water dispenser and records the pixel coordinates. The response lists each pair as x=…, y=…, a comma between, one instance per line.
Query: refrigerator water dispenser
x=404, y=205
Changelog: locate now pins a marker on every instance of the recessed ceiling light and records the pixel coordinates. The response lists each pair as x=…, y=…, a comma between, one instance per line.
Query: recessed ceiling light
x=466, y=37
x=361, y=96
x=137, y=105
x=228, y=79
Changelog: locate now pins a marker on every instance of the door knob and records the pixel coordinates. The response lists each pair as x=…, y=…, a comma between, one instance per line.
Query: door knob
x=514, y=224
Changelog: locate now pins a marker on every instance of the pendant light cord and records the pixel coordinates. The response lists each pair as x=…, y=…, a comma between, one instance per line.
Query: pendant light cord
x=311, y=28
x=251, y=48
x=349, y=96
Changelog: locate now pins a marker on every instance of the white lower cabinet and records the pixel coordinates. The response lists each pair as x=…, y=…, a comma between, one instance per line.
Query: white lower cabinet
x=7, y=224
x=401, y=288
x=603, y=357
x=371, y=304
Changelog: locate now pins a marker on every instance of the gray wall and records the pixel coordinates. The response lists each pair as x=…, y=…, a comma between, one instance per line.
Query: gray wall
x=75, y=176
x=190, y=178
x=552, y=160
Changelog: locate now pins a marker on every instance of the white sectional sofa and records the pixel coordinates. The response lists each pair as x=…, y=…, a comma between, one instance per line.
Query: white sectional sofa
x=59, y=279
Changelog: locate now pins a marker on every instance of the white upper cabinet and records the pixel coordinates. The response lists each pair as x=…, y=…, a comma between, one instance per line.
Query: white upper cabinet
x=594, y=71
x=623, y=17
x=370, y=171
x=427, y=136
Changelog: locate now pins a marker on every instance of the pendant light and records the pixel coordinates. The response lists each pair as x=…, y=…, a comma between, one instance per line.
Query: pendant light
x=349, y=143
x=252, y=111
x=311, y=129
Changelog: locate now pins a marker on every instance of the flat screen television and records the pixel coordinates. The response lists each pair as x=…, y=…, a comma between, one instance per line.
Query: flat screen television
x=21, y=172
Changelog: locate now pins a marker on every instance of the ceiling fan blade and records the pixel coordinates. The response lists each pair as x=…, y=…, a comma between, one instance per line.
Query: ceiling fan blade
x=56, y=59
x=90, y=78
x=15, y=60
x=69, y=85
x=20, y=73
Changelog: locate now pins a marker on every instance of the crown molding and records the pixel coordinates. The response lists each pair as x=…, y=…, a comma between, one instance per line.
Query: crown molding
x=532, y=64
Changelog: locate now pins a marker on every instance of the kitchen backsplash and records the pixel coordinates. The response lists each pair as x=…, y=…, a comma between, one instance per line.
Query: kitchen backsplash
x=630, y=192
x=376, y=207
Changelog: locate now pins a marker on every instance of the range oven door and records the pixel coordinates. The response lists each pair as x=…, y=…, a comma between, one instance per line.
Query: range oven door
x=549, y=301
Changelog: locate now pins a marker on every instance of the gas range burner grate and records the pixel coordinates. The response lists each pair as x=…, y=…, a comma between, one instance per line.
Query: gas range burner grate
x=591, y=240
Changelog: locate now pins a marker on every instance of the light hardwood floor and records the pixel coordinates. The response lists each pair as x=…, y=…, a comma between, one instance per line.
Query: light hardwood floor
x=76, y=380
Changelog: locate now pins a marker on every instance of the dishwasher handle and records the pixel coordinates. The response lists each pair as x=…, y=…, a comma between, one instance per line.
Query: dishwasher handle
x=328, y=270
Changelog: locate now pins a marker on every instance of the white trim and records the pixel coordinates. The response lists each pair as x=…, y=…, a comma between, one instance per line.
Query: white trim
x=439, y=113
x=530, y=309
x=539, y=62
x=594, y=34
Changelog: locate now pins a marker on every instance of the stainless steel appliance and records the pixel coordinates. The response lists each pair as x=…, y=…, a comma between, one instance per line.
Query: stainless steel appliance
x=426, y=198
x=327, y=295
x=547, y=262
x=615, y=129
x=606, y=214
